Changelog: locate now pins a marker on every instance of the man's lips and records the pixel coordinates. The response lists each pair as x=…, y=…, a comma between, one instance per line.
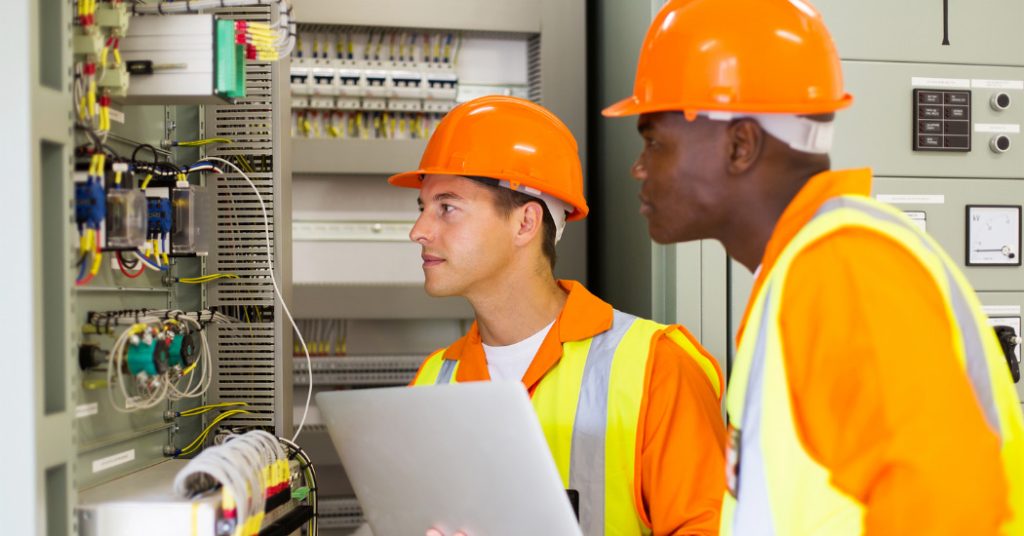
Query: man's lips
x=645, y=207
x=431, y=260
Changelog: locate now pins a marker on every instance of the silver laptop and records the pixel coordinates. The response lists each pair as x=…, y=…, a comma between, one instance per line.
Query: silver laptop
x=468, y=457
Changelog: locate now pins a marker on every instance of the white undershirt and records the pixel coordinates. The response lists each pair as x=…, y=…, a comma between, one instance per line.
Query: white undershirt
x=509, y=363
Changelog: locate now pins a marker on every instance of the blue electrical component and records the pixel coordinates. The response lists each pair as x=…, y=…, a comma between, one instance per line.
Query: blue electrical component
x=159, y=216
x=90, y=204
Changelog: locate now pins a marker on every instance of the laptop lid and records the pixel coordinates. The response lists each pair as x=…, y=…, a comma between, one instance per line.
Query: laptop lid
x=466, y=457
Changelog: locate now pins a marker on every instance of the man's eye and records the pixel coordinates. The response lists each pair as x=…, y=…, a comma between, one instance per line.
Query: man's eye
x=446, y=208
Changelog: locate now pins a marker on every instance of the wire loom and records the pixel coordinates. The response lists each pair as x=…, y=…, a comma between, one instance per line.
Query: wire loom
x=254, y=476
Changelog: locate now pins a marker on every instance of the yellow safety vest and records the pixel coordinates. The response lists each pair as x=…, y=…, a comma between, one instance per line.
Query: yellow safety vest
x=588, y=405
x=780, y=489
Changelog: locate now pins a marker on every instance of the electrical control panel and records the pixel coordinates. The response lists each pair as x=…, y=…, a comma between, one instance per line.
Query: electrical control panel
x=157, y=137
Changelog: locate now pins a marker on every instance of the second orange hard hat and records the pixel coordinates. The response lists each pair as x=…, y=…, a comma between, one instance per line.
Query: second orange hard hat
x=743, y=56
x=509, y=139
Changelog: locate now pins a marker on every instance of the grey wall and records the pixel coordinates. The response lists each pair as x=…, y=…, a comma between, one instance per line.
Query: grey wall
x=620, y=250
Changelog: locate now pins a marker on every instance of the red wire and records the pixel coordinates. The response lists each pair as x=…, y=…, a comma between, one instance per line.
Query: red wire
x=85, y=280
x=120, y=266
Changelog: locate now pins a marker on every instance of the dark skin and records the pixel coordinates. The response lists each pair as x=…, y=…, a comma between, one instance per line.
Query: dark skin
x=726, y=181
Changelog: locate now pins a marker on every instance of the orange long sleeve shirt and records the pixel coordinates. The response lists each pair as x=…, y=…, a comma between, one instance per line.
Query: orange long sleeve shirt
x=680, y=475
x=879, y=397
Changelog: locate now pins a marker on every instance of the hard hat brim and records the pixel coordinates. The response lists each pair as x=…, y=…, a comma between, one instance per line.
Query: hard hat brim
x=625, y=107
x=409, y=179
x=632, y=106
x=414, y=179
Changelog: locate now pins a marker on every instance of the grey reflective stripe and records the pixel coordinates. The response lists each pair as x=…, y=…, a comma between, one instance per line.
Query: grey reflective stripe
x=445, y=375
x=753, y=514
x=973, y=348
x=586, y=462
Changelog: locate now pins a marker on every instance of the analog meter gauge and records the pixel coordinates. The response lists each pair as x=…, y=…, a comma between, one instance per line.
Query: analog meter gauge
x=993, y=235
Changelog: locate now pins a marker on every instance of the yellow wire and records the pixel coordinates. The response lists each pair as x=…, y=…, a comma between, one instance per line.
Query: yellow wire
x=91, y=97
x=145, y=182
x=205, y=141
x=199, y=410
x=206, y=278
x=96, y=260
x=188, y=370
x=198, y=441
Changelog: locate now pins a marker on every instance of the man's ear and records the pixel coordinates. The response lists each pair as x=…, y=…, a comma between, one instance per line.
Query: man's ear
x=746, y=141
x=530, y=218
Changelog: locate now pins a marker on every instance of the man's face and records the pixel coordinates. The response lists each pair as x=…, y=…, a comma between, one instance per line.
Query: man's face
x=466, y=241
x=684, y=192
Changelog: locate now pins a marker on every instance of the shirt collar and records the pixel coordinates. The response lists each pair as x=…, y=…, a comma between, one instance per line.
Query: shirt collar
x=583, y=316
x=819, y=189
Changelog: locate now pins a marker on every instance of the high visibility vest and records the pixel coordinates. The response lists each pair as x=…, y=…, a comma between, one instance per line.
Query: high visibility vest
x=589, y=405
x=779, y=488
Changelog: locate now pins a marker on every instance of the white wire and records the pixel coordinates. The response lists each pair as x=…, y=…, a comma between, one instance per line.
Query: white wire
x=238, y=465
x=277, y=290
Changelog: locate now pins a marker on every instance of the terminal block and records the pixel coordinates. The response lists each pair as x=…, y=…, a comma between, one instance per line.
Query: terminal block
x=87, y=43
x=114, y=79
x=158, y=215
x=90, y=204
x=114, y=17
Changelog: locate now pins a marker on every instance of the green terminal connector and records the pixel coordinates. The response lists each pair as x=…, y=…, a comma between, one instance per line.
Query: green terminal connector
x=230, y=62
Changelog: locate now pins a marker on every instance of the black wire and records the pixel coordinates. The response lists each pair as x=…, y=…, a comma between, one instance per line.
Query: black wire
x=130, y=265
x=152, y=149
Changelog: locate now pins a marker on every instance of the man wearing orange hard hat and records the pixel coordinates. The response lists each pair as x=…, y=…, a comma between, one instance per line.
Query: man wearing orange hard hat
x=630, y=408
x=868, y=393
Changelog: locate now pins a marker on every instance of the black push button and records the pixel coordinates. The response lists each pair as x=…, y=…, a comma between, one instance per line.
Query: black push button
x=958, y=98
x=957, y=112
x=929, y=127
x=957, y=127
x=929, y=141
x=929, y=97
x=957, y=142
x=930, y=112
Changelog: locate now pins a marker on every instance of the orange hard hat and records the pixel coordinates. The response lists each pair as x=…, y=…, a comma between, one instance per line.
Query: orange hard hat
x=508, y=139
x=752, y=56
